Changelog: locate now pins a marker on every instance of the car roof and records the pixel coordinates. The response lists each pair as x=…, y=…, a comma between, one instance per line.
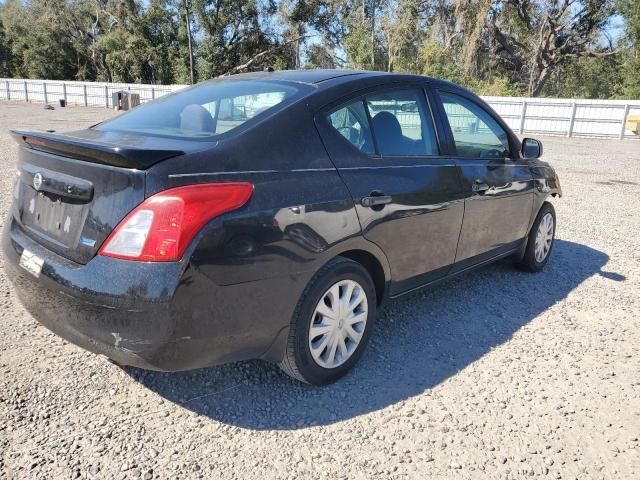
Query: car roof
x=318, y=76
x=311, y=77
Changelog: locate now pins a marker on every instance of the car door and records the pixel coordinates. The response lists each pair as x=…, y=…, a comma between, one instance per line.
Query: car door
x=498, y=185
x=409, y=198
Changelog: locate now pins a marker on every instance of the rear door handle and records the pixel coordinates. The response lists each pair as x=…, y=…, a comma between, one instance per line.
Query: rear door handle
x=375, y=199
x=479, y=186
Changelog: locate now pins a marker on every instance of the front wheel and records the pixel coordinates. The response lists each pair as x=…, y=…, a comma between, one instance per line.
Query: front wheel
x=540, y=240
x=331, y=324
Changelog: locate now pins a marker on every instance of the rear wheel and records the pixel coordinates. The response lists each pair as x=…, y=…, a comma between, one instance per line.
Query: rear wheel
x=331, y=324
x=540, y=241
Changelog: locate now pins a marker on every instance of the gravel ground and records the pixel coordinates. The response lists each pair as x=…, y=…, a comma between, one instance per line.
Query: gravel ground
x=498, y=374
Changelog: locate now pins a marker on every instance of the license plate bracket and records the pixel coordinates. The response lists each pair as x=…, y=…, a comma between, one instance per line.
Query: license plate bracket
x=57, y=219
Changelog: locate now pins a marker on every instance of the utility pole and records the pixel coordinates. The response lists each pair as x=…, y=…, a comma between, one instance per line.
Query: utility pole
x=187, y=4
x=373, y=35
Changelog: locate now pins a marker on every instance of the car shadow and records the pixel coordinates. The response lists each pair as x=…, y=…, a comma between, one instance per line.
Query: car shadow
x=418, y=342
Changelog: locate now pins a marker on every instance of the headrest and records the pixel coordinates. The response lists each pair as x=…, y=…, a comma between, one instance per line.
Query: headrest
x=387, y=124
x=197, y=118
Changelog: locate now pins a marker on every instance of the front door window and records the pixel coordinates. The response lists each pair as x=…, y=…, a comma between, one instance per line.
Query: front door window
x=475, y=132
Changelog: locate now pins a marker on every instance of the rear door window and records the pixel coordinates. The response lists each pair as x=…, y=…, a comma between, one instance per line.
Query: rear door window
x=401, y=123
x=394, y=123
x=206, y=110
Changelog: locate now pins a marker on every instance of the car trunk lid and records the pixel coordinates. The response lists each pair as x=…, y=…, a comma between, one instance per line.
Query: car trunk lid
x=73, y=190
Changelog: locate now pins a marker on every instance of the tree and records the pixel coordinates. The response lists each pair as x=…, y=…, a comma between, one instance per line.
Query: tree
x=34, y=33
x=630, y=45
x=294, y=32
x=586, y=77
x=5, y=52
x=230, y=32
x=532, y=39
x=163, y=27
x=318, y=57
x=329, y=21
x=527, y=47
x=124, y=53
x=402, y=35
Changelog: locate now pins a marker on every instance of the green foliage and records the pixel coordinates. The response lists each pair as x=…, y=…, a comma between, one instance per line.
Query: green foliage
x=166, y=37
x=439, y=62
x=46, y=34
x=497, y=87
x=495, y=47
x=231, y=34
x=630, y=85
x=630, y=56
x=5, y=53
x=358, y=47
x=588, y=77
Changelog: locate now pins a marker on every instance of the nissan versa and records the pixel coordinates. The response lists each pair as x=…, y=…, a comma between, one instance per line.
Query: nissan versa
x=268, y=215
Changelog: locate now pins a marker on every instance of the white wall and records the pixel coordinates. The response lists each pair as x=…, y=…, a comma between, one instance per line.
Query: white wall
x=569, y=117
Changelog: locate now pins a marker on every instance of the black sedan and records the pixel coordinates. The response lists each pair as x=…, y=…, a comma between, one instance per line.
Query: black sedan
x=268, y=215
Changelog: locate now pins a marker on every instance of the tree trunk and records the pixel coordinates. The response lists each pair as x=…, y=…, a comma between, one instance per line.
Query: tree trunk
x=537, y=82
x=191, y=66
x=373, y=35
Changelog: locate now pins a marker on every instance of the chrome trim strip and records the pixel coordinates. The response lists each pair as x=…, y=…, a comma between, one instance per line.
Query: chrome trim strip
x=302, y=170
x=245, y=172
x=203, y=174
x=398, y=166
x=312, y=170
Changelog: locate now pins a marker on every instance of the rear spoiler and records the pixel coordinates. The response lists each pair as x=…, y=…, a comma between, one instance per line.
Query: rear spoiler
x=114, y=155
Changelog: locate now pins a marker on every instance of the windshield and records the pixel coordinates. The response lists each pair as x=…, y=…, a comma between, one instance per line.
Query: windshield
x=204, y=111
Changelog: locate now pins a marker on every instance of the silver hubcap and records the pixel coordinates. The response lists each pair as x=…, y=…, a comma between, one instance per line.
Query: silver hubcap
x=338, y=323
x=544, y=238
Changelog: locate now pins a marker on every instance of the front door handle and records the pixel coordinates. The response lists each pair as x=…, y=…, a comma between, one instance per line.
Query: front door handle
x=374, y=199
x=479, y=186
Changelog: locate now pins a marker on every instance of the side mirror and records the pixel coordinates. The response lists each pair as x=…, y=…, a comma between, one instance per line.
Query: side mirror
x=531, y=148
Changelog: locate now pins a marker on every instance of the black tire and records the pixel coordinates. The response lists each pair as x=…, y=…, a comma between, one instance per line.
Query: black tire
x=298, y=361
x=529, y=262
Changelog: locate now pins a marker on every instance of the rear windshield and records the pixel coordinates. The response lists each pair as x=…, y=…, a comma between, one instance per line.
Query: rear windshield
x=206, y=110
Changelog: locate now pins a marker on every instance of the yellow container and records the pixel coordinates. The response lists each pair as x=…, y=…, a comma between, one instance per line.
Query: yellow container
x=633, y=124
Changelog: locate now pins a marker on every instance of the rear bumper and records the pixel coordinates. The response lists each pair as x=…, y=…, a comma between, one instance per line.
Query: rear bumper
x=110, y=307
x=156, y=316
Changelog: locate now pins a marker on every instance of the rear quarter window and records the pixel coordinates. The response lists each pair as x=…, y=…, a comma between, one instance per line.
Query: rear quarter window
x=351, y=122
x=206, y=110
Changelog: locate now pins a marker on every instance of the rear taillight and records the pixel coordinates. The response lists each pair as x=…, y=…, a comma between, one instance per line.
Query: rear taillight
x=161, y=227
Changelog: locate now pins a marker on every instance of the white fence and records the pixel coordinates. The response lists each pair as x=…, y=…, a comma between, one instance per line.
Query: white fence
x=88, y=94
x=569, y=117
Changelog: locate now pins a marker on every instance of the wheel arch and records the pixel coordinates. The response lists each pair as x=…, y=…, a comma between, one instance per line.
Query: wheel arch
x=519, y=255
x=374, y=267
x=360, y=250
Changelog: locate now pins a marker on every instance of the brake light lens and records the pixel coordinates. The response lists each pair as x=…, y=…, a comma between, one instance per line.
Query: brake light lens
x=161, y=227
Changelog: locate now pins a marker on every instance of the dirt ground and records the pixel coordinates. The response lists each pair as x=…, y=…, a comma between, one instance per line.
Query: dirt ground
x=498, y=374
